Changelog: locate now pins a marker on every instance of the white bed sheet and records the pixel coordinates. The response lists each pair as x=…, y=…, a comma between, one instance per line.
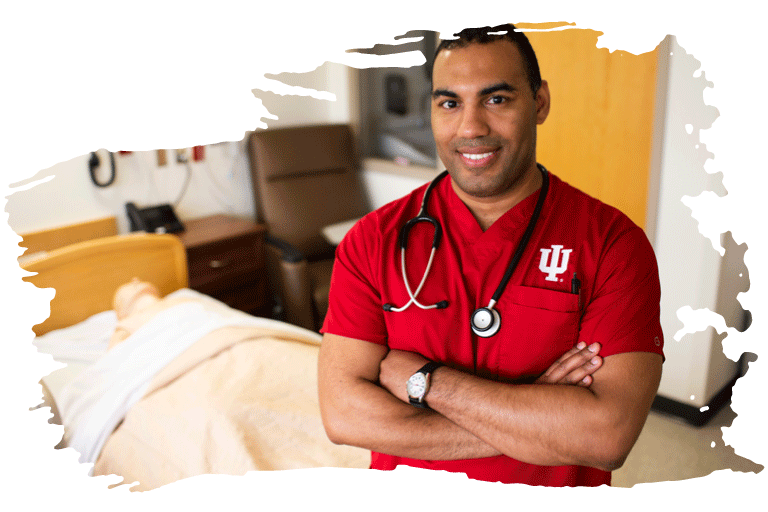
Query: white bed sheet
x=86, y=390
x=93, y=404
x=82, y=344
x=77, y=347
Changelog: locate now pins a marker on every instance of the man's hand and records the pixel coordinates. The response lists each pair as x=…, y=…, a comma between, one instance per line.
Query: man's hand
x=575, y=367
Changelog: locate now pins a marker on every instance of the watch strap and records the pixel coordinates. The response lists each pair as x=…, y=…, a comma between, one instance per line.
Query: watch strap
x=430, y=367
x=421, y=404
x=427, y=369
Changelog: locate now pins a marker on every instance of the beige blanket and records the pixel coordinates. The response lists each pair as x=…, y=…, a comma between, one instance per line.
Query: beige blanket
x=240, y=399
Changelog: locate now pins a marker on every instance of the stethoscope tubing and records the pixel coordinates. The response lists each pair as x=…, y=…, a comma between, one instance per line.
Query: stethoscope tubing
x=524, y=240
x=423, y=216
x=413, y=295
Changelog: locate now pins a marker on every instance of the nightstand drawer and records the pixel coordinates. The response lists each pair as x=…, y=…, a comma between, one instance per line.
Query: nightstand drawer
x=217, y=264
x=248, y=294
x=225, y=257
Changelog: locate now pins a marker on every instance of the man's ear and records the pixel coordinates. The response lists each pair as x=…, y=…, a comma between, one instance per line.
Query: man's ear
x=542, y=102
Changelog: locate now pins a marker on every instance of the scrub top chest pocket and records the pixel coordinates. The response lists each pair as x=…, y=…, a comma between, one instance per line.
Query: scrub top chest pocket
x=538, y=326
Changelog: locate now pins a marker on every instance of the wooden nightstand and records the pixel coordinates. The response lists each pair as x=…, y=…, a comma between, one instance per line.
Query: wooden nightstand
x=226, y=260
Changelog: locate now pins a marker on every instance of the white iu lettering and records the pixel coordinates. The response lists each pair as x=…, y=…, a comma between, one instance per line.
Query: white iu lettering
x=552, y=269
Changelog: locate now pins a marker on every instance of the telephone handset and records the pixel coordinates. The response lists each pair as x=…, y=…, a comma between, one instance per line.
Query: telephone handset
x=154, y=219
x=93, y=165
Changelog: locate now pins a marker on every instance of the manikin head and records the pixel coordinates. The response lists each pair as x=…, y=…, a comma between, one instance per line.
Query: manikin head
x=133, y=297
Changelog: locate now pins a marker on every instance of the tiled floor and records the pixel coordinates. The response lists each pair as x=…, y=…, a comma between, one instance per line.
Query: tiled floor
x=670, y=449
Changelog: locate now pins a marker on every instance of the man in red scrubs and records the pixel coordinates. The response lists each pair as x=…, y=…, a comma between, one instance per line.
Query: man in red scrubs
x=419, y=386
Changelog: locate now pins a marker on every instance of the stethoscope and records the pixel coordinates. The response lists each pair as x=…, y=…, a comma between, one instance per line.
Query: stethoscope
x=485, y=321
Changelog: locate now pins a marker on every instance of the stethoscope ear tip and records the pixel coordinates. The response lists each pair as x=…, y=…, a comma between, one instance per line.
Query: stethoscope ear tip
x=442, y=304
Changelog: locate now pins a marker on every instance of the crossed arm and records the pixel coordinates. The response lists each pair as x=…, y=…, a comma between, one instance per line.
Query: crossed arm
x=594, y=421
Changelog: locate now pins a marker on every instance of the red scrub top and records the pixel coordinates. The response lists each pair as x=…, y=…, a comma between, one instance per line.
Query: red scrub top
x=617, y=305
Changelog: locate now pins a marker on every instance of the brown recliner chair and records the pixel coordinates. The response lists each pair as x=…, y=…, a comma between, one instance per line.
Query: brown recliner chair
x=304, y=179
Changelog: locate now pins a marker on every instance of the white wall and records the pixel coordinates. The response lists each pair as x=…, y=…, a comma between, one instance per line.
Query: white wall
x=689, y=266
x=219, y=183
x=293, y=110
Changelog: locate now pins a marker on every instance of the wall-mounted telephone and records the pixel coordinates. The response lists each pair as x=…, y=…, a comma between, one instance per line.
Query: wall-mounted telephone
x=154, y=219
x=93, y=165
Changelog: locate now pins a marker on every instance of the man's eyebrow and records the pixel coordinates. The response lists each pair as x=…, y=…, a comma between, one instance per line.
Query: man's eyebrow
x=444, y=92
x=502, y=86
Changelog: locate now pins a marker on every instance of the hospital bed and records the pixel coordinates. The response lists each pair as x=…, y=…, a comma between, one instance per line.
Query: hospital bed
x=198, y=388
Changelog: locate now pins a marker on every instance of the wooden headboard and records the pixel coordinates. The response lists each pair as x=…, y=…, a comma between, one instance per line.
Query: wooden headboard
x=54, y=238
x=85, y=275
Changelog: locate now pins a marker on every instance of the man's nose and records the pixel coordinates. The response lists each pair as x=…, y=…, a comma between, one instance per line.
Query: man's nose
x=473, y=123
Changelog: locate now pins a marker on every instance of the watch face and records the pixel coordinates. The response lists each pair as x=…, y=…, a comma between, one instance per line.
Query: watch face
x=416, y=385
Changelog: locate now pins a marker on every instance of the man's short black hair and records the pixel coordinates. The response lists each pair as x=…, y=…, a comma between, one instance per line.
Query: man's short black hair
x=506, y=32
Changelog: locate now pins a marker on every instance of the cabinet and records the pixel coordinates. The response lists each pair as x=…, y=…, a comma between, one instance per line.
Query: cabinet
x=226, y=260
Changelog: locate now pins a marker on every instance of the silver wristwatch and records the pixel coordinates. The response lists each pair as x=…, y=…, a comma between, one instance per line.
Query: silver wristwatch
x=418, y=385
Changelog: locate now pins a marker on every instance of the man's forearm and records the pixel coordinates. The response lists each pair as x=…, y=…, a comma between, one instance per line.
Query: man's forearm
x=363, y=401
x=542, y=425
x=372, y=418
x=357, y=411
x=546, y=424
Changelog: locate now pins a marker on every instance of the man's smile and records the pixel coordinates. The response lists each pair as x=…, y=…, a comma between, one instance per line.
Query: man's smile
x=477, y=158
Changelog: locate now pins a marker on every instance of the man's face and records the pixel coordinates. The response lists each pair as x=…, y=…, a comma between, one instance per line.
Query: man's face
x=484, y=117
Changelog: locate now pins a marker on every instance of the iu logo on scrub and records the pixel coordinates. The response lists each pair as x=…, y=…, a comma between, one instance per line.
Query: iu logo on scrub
x=552, y=269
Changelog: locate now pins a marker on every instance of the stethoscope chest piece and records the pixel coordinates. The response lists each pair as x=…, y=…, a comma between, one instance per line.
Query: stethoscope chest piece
x=485, y=322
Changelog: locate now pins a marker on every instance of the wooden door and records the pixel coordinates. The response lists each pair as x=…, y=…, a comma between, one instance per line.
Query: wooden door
x=598, y=136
